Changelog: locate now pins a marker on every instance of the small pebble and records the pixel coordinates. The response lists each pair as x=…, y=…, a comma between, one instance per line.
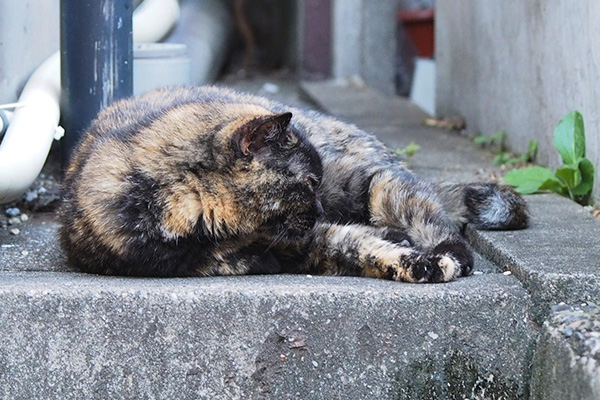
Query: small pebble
x=270, y=88
x=581, y=324
x=24, y=217
x=13, y=212
x=31, y=195
x=560, y=307
x=25, y=253
x=507, y=273
x=15, y=231
x=315, y=364
x=477, y=272
x=309, y=276
x=14, y=221
x=568, y=332
x=433, y=335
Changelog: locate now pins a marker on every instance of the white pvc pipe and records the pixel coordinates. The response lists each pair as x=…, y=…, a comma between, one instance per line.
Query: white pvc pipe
x=158, y=16
x=34, y=125
x=5, y=117
x=32, y=128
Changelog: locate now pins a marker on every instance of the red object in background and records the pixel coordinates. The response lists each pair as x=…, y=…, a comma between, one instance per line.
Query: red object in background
x=418, y=25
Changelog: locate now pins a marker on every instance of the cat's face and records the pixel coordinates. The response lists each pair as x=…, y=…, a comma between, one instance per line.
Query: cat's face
x=277, y=174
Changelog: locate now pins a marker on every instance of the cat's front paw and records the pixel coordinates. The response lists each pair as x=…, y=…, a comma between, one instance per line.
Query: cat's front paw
x=455, y=252
x=434, y=269
x=444, y=263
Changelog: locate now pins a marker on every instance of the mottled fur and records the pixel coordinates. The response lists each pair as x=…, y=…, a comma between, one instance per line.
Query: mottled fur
x=207, y=181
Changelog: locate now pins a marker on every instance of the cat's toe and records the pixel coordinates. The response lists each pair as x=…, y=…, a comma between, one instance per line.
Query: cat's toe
x=449, y=268
x=454, y=255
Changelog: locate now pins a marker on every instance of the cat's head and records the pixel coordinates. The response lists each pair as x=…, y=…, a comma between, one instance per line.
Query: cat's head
x=277, y=173
x=250, y=170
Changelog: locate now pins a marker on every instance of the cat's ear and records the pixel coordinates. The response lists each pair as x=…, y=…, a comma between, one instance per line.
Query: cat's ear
x=260, y=131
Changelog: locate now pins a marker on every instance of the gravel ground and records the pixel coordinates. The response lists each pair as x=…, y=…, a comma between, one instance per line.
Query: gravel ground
x=580, y=325
x=43, y=196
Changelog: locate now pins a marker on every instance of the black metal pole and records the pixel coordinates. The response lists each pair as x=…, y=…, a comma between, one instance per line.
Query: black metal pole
x=96, y=48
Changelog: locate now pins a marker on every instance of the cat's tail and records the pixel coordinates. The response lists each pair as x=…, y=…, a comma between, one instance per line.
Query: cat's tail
x=489, y=206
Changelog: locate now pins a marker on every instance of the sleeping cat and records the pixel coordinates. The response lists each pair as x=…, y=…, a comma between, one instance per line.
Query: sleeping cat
x=207, y=181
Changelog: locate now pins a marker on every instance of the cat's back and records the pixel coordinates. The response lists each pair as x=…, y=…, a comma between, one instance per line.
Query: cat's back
x=127, y=117
x=114, y=130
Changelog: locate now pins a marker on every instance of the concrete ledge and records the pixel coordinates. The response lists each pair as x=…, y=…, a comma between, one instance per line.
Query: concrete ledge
x=556, y=258
x=73, y=336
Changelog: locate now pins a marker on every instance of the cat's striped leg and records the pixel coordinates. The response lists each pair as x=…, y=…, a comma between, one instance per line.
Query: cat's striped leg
x=375, y=252
x=400, y=200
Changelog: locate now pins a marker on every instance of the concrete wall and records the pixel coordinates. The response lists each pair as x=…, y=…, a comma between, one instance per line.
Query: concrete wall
x=521, y=66
x=364, y=42
x=29, y=33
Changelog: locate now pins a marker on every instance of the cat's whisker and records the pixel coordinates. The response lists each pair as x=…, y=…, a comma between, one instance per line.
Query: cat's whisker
x=277, y=239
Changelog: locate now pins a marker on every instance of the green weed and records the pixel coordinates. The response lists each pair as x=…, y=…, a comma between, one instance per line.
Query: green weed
x=574, y=178
x=408, y=151
x=496, y=143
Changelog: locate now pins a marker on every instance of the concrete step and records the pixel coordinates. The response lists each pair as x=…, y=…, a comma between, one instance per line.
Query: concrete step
x=73, y=336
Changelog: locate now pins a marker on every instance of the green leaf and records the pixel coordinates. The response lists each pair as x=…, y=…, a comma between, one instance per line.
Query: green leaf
x=500, y=158
x=570, y=175
x=569, y=138
x=556, y=186
x=529, y=180
x=481, y=140
x=499, y=137
x=408, y=151
x=411, y=149
x=586, y=168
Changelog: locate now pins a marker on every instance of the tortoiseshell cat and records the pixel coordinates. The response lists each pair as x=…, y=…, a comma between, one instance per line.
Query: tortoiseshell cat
x=207, y=181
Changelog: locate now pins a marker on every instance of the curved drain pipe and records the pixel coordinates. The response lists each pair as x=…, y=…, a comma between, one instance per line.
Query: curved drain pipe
x=154, y=19
x=34, y=124
x=4, y=121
